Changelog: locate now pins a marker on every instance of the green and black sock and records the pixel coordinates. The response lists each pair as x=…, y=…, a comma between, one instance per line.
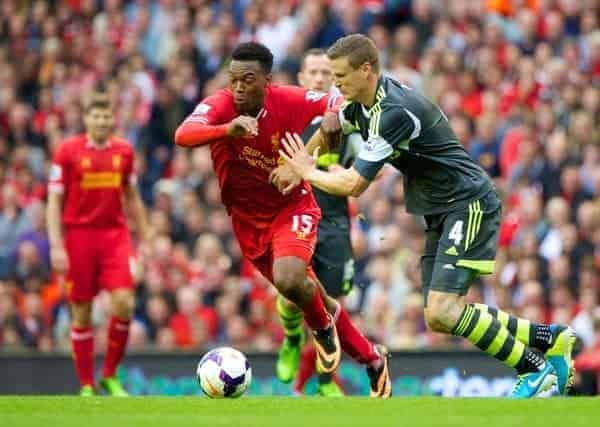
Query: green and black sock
x=291, y=320
x=488, y=334
x=529, y=333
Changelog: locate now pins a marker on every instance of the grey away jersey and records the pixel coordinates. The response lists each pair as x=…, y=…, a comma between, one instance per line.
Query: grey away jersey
x=408, y=131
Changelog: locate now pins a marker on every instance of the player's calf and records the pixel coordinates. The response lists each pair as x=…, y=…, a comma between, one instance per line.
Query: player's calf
x=82, y=343
x=118, y=334
x=289, y=275
x=288, y=359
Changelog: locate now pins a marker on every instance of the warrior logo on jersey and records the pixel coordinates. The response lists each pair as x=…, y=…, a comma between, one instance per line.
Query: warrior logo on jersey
x=116, y=161
x=86, y=162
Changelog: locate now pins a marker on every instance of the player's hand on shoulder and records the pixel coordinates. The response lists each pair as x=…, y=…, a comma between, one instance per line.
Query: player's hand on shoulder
x=331, y=128
x=59, y=259
x=242, y=126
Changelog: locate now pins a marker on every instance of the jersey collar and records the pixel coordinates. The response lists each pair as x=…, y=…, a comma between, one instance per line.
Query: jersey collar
x=90, y=144
x=379, y=95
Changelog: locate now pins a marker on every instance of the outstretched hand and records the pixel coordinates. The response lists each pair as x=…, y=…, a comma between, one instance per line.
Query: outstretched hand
x=296, y=155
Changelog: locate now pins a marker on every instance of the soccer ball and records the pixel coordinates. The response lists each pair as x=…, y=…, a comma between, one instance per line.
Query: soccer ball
x=224, y=372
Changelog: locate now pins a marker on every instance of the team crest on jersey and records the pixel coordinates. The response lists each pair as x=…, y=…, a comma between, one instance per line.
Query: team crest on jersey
x=86, y=162
x=116, y=161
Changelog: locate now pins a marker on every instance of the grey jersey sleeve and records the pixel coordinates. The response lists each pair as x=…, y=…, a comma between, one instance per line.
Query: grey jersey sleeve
x=372, y=157
x=391, y=130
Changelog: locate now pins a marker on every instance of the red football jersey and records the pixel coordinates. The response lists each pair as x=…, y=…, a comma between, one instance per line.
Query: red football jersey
x=243, y=165
x=92, y=180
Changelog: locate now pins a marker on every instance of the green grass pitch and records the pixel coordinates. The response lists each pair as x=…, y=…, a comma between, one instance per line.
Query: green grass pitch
x=291, y=412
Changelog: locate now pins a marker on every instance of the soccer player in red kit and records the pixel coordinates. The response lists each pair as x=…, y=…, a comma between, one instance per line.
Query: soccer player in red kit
x=243, y=126
x=90, y=177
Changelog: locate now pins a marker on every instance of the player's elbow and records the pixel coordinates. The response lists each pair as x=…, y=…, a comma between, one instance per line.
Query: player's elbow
x=359, y=186
x=180, y=136
x=357, y=192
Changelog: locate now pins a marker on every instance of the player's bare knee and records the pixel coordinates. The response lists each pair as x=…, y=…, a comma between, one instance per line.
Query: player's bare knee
x=436, y=321
x=82, y=314
x=289, y=275
x=443, y=311
x=290, y=284
x=122, y=304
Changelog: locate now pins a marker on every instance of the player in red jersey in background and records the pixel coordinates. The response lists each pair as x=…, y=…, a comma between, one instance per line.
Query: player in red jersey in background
x=91, y=175
x=243, y=126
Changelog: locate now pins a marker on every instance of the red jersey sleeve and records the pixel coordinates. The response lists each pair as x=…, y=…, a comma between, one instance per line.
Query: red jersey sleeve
x=205, y=125
x=306, y=104
x=59, y=170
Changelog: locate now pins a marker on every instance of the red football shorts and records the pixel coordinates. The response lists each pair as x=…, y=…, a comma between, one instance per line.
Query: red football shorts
x=99, y=258
x=293, y=232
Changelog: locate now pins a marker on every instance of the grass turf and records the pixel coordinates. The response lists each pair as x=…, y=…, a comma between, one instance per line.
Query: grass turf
x=288, y=412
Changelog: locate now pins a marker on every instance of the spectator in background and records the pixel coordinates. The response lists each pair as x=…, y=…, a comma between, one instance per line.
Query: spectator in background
x=14, y=221
x=193, y=324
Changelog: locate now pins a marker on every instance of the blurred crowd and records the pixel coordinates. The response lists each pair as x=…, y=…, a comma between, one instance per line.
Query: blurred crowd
x=518, y=79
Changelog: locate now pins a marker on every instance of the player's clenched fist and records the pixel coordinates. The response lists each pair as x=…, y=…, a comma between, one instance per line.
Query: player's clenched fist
x=59, y=259
x=242, y=126
x=331, y=128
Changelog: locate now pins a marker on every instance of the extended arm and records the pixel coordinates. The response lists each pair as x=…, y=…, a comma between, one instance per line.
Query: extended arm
x=192, y=133
x=205, y=124
x=341, y=182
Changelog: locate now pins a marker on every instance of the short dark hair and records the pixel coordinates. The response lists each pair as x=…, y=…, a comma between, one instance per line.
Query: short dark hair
x=358, y=49
x=311, y=52
x=97, y=99
x=253, y=51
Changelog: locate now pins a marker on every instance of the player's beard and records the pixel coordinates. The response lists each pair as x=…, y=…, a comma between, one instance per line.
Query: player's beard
x=99, y=136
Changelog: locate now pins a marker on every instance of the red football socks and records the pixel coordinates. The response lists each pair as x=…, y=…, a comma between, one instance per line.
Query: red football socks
x=118, y=332
x=315, y=314
x=82, y=340
x=308, y=359
x=353, y=342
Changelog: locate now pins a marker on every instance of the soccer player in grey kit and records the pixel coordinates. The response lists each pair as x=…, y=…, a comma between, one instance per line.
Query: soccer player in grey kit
x=458, y=200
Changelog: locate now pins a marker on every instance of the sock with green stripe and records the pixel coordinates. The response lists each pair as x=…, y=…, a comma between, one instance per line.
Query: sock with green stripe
x=488, y=334
x=529, y=333
x=291, y=320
